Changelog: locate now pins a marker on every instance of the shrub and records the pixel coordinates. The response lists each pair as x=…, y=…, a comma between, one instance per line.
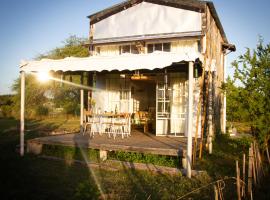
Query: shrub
x=169, y=161
x=6, y=110
x=42, y=111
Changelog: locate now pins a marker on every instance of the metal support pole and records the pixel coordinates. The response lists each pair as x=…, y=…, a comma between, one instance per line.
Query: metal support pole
x=81, y=113
x=22, y=113
x=190, y=118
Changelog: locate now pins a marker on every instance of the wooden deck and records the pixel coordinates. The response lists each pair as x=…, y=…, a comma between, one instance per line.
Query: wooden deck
x=137, y=142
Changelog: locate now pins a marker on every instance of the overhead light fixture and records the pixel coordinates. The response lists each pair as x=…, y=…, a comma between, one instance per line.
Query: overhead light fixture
x=139, y=77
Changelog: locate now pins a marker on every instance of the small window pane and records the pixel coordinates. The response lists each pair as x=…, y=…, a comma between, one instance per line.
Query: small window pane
x=126, y=49
x=150, y=48
x=167, y=47
x=158, y=47
x=134, y=49
x=98, y=50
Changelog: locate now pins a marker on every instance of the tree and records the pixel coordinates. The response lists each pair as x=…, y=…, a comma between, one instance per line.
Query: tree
x=73, y=46
x=252, y=70
x=236, y=111
x=38, y=94
x=35, y=95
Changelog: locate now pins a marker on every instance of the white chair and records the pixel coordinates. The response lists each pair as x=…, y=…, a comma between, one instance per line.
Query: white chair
x=93, y=122
x=121, y=125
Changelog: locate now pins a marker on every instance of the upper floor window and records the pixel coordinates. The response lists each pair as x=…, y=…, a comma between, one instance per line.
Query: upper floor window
x=159, y=47
x=128, y=49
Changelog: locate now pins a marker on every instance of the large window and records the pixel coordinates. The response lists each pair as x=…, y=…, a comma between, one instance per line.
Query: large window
x=128, y=49
x=159, y=47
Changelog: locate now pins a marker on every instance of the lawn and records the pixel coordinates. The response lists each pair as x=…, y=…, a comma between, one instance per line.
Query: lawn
x=32, y=177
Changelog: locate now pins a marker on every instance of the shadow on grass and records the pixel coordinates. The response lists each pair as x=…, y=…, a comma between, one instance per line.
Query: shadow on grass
x=31, y=177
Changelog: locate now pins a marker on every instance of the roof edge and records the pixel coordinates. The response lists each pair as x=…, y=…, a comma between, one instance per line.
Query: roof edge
x=193, y=5
x=217, y=20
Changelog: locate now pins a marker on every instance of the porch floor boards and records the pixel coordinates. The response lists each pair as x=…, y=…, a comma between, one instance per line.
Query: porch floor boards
x=137, y=142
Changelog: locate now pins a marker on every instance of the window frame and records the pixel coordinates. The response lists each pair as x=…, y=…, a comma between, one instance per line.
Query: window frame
x=153, y=46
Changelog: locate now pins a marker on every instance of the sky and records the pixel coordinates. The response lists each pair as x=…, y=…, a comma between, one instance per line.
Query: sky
x=31, y=27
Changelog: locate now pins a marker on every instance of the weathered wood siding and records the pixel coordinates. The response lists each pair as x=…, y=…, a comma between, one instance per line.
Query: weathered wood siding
x=213, y=54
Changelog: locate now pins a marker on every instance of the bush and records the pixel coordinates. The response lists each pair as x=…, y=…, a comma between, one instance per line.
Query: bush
x=42, y=111
x=72, y=108
x=169, y=161
x=6, y=111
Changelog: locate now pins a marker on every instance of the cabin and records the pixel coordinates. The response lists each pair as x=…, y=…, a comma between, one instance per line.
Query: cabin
x=160, y=61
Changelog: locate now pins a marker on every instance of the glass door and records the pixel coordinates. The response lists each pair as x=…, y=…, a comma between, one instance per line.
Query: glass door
x=162, y=108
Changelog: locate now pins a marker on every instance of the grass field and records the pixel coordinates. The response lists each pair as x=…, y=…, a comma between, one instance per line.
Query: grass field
x=31, y=177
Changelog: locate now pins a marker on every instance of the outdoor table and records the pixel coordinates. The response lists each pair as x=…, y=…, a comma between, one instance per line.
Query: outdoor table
x=111, y=123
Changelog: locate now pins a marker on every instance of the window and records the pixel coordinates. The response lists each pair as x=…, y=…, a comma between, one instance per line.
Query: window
x=159, y=47
x=167, y=47
x=150, y=48
x=98, y=50
x=128, y=49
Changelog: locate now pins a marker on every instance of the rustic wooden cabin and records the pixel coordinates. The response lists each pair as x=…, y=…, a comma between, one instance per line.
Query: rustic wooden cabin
x=161, y=61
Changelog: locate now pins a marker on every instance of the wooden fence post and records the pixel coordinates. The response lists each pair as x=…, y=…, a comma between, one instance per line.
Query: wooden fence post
x=238, y=181
x=253, y=166
x=216, y=192
x=244, y=174
x=267, y=153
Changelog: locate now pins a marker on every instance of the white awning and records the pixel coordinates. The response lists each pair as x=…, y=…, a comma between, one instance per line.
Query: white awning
x=109, y=63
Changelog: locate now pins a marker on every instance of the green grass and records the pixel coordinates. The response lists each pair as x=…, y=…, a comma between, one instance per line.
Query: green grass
x=31, y=177
x=71, y=153
x=225, y=152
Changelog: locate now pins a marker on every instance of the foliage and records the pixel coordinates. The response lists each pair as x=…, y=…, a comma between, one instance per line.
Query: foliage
x=38, y=94
x=73, y=46
x=87, y=191
x=236, y=111
x=32, y=177
x=42, y=110
x=5, y=100
x=252, y=71
x=168, y=161
x=221, y=162
x=70, y=153
x=34, y=95
x=6, y=105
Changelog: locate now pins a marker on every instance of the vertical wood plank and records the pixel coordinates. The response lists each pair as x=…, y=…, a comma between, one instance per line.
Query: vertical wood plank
x=198, y=117
x=267, y=153
x=244, y=175
x=255, y=161
x=253, y=167
x=216, y=192
x=238, y=180
x=250, y=171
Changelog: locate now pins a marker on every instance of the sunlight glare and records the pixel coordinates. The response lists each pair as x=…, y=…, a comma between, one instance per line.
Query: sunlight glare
x=43, y=76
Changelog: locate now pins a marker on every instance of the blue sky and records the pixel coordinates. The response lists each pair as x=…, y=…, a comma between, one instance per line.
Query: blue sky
x=31, y=27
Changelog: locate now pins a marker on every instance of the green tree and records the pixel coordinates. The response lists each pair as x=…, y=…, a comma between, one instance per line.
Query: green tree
x=38, y=94
x=73, y=46
x=236, y=111
x=252, y=70
x=35, y=95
